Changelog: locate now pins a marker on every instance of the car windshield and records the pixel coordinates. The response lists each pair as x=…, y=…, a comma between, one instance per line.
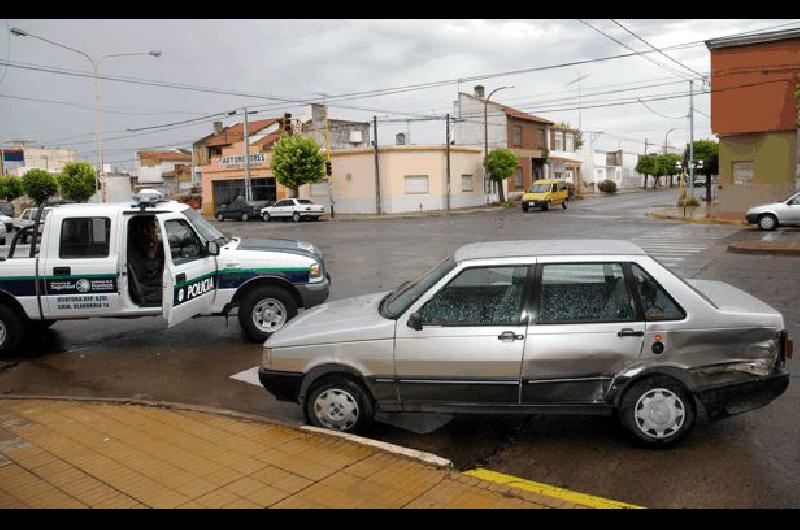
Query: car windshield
x=793, y=197
x=539, y=188
x=396, y=302
x=206, y=229
x=304, y=201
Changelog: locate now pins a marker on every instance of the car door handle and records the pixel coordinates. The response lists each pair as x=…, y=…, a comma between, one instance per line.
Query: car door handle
x=629, y=332
x=509, y=336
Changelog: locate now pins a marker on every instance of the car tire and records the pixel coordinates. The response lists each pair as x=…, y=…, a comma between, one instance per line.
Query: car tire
x=266, y=218
x=524, y=207
x=265, y=310
x=546, y=206
x=296, y=217
x=657, y=412
x=564, y=204
x=12, y=328
x=220, y=218
x=245, y=217
x=339, y=403
x=767, y=222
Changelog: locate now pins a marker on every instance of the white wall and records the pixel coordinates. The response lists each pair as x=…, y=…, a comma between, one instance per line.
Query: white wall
x=471, y=130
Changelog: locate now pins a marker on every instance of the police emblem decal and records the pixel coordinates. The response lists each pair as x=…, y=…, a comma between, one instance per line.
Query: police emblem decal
x=83, y=286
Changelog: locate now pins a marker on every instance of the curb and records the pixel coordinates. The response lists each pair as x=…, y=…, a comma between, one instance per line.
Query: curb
x=582, y=499
x=403, y=452
x=734, y=247
x=703, y=220
x=368, y=217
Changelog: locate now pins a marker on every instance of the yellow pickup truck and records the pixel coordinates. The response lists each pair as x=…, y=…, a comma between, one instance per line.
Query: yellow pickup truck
x=546, y=193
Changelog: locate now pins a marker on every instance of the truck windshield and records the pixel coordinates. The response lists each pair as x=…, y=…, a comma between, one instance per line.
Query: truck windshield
x=206, y=229
x=396, y=302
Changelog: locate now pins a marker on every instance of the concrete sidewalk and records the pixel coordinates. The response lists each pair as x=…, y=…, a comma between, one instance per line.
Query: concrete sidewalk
x=699, y=214
x=77, y=454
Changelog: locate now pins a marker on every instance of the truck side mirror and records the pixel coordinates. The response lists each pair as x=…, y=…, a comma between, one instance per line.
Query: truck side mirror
x=212, y=247
x=414, y=322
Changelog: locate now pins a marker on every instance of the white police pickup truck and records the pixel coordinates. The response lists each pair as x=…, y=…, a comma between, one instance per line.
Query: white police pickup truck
x=151, y=257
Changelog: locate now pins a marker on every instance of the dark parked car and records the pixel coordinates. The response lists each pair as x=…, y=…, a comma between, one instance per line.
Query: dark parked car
x=240, y=210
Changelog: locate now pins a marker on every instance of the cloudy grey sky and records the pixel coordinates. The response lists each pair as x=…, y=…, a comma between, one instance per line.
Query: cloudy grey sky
x=298, y=59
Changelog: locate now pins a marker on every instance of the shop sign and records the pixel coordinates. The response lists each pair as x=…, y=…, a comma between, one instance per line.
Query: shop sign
x=238, y=160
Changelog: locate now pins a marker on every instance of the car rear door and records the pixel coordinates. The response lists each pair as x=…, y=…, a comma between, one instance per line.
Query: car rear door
x=190, y=272
x=469, y=350
x=587, y=327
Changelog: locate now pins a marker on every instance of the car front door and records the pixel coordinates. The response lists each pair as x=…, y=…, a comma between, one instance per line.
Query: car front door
x=469, y=347
x=80, y=268
x=190, y=272
x=792, y=210
x=587, y=327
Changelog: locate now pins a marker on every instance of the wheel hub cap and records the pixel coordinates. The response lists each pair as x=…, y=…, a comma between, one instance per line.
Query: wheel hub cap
x=269, y=315
x=2, y=333
x=336, y=409
x=659, y=413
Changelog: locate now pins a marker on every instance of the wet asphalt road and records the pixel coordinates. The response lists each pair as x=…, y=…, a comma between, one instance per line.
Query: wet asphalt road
x=751, y=460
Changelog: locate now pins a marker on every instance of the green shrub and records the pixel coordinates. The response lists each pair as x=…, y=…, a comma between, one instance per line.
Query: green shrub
x=688, y=201
x=607, y=186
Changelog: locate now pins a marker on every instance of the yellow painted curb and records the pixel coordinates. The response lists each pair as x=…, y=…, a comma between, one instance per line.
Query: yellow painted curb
x=563, y=494
x=704, y=220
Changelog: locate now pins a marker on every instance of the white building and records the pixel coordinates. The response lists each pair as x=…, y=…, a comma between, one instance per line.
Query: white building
x=50, y=160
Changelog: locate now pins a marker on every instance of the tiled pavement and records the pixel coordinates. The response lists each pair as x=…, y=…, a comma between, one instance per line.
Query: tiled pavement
x=65, y=454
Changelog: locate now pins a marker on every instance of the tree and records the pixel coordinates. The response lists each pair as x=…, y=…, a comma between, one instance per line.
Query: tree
x=646, y=165
x=708, y=152
x=501, y=164
x=77, y=181
x=665, y=165
x=39, y=185
x=10, y=188
x=296, y=160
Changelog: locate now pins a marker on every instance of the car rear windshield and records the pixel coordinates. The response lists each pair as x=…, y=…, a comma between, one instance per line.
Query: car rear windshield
x=304, y=201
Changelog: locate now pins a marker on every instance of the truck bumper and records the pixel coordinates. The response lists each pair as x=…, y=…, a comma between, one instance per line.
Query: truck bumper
x=725, y=400
x=314, y=293
x=285, y=386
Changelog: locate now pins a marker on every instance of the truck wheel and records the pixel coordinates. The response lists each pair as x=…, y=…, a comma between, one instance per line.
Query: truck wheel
x=265, y=310
x=658, y=412
x=339, y=403
x=767, y=222
x=296, y=217
x=12, y=327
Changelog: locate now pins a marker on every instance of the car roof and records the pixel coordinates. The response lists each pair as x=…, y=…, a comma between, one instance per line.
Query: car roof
x=546, y=247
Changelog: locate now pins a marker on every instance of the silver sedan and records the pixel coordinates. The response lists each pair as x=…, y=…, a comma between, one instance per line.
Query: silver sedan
x=771, y=216
x=532, y=327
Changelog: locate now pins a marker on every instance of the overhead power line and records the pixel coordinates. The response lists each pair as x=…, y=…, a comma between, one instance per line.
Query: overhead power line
x=656, y=49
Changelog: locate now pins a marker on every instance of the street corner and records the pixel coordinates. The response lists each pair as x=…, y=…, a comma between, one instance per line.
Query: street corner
x=776, y=248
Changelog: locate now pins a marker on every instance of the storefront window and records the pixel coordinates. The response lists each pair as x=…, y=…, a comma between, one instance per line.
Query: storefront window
x=226, y=191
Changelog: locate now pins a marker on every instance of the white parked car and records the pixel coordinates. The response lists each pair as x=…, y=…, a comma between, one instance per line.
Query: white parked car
x=6, y=229
x=771, y=216
x=294, y=209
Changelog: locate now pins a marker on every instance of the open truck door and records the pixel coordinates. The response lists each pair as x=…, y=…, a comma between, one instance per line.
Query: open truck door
x=190, y=270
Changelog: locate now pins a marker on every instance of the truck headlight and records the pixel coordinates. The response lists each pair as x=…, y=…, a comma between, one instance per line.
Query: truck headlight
x=315, y=272
x=266, y=357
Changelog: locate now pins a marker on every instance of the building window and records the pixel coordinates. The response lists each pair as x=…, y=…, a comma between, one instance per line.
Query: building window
x=466, y=183
x=558, y=140
x=569, y=141
x=743, y=172
x=517, y=136
x=416, y=184
x=540, y=138
x=518, y=178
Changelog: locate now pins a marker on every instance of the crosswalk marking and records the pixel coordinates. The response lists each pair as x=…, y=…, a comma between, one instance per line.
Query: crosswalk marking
x=673, y=245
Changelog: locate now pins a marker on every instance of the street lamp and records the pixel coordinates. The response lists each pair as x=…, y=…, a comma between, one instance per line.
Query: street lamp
x=486, y=133
x=17, y=32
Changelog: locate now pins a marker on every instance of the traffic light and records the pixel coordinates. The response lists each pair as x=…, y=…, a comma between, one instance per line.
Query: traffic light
x=287, y=123
x=328, y=168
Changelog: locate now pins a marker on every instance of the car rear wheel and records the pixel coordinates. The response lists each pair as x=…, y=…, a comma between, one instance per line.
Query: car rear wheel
x=220, y=218
x=340, y=404
x=767, y=222
x=265, y=310
x=564, y=204
x=657, y=412
x=12, y=327
x=245, y=217
x=265, y=217
x=524, y=207
x=296, y=217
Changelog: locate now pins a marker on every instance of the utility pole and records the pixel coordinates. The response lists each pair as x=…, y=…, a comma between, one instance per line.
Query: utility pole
x=328, y=153
x=247, y=190
x=691, y=138
x=377, y=169
x=645, y=154
x=447, y=139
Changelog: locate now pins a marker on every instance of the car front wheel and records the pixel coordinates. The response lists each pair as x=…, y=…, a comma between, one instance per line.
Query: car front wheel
x=245, y=217
x=340, y=404
x=767, y=222
x=12, y=327
x=657, y=412
x=220, y=218
x=525, y=207
x=296, y=217
x=265, y=216
x=564, y=204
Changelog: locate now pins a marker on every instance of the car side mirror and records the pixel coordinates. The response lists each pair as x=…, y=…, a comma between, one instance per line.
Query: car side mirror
x=414, y=322
x=212, y=247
